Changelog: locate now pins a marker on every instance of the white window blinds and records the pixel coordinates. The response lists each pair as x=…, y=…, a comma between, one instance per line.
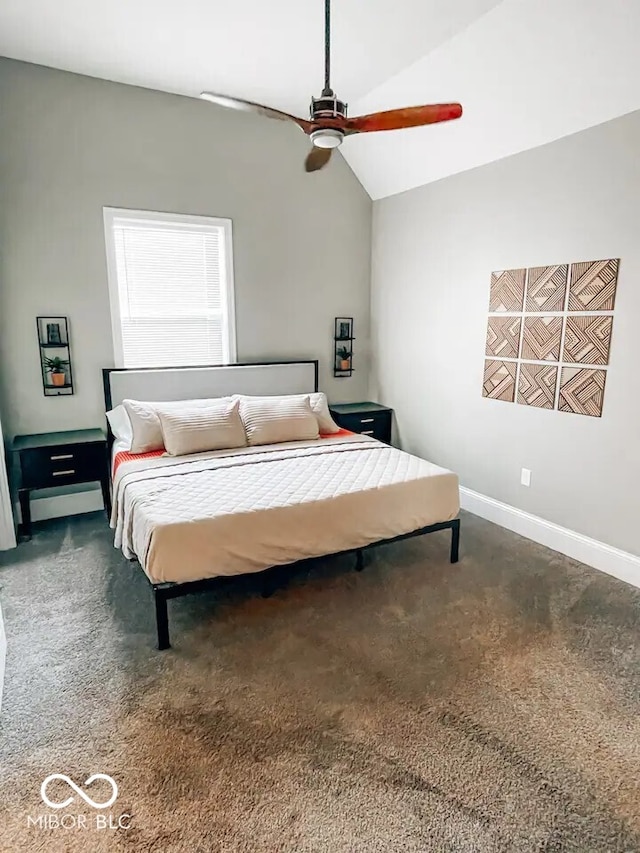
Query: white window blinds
x=171, y=289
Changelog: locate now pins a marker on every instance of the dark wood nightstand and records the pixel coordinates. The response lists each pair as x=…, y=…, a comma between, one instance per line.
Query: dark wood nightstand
x=59, y=459
x=365, y=418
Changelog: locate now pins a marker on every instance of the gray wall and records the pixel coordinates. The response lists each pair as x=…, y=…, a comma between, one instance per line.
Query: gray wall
x=70, y=145
x=434, y=250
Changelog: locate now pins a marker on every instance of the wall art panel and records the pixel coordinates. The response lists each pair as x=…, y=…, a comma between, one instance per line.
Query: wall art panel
x=541, y=338
x=547, y=288
x=507, y=290
x=503, y=337
x=582, y=391
x=549, y=332
x=537, y=385
x=499, y=380
x=593, y=285
x=587, y=339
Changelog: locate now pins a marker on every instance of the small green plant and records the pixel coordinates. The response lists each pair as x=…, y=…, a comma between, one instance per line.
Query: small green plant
x=344, y=354
x=56, y=365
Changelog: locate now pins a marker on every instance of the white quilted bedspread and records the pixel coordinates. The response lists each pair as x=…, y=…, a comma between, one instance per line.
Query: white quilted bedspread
x=232, y=512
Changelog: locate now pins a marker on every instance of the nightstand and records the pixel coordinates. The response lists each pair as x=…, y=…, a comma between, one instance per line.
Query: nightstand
x=365, y=418
x=60, y=459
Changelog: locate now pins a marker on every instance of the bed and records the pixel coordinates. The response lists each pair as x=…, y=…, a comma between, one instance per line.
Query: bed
x=191, y=519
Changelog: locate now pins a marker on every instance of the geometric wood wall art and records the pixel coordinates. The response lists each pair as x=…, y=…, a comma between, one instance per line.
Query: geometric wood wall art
x=587, y=339
x=507, y=290
x=582, y=391
x=549, y=335
x=503, y=337
x=537, y=385
x=593, y=286
x=499, y=380
x=547, y=288
x=541, y=338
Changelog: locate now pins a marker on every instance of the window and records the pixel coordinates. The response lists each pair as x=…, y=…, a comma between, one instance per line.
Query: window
x=171, y=288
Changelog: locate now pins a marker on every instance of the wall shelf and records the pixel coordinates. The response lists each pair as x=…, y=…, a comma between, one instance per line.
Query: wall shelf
x=53, y=334
x=343, y=339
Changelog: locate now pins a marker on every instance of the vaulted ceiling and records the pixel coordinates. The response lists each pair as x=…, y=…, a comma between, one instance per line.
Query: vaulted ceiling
x=526, y=71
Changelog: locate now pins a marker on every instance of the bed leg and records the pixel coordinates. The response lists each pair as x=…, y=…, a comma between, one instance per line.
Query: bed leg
x=268, y=583
x=455, y=540
x=162, y=620
x=359, y=561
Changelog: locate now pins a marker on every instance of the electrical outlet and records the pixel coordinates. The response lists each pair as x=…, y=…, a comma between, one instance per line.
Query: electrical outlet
x=525, y=477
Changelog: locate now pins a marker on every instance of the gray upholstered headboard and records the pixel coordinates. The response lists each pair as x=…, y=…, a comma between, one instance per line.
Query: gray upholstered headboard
x=189, y=383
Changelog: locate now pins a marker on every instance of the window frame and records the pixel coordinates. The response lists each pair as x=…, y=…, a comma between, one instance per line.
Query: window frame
x=110, y=214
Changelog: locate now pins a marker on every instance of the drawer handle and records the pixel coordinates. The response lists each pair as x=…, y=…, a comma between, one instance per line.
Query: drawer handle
x=62, y=473
x=366, y=421
x=367, y=432
x=63, y=456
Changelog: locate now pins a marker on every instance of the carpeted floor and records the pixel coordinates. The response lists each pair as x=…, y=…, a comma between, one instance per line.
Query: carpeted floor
x=489, y=706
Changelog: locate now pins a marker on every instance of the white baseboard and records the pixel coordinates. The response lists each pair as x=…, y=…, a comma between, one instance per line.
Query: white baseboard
x=606, y=558
x=613, y=561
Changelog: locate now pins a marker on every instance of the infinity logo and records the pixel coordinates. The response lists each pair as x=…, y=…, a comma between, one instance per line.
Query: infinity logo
x=79, y=791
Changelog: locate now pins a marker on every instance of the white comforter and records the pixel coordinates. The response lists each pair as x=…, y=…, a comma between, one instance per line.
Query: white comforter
x=239, y=511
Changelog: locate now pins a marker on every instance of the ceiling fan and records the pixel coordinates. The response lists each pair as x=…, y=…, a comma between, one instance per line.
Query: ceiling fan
x=328, y=124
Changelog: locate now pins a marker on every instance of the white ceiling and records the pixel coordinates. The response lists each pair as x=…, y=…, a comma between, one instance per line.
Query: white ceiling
x=526, y=71
x=267, y=50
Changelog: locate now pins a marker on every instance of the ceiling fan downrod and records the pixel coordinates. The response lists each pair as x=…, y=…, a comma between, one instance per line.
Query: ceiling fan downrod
x=327, y=92
x=327, y=106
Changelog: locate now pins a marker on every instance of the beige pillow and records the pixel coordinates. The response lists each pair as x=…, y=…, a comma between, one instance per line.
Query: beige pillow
x=271, y=420
x=319, y=406
x=214, y=427
x=145, y=423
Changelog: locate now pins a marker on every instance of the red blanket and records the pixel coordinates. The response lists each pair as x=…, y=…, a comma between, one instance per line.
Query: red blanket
x=124, y=455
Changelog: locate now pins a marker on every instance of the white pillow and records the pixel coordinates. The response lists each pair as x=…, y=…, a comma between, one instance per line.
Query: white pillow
x=120, y=424
x=194, y=430
x=270, y=420
x=320, y=408
x=145, y=423
x=319, y=405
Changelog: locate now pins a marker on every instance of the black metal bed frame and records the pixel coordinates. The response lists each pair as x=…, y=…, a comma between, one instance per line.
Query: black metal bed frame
x=163, y=592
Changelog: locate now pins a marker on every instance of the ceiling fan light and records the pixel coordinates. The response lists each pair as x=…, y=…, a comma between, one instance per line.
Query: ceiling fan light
x=327, y=138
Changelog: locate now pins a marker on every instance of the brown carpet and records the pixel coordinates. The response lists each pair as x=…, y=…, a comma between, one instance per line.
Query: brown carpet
x=488, y=706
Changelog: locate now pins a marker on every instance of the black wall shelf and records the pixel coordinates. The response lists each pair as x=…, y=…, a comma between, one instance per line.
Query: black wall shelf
x=53, y=345
x=343, y=339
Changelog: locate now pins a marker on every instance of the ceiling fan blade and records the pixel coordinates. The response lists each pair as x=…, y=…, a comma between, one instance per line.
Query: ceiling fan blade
x=317, y=158
x=251, y=107
x=404, y=117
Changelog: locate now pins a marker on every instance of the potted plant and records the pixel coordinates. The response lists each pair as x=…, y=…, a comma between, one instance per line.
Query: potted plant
x=344, y=356
x=56, y=366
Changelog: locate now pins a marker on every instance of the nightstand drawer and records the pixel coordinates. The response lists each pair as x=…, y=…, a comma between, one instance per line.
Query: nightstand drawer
x=376, y=424
x=60, y=464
